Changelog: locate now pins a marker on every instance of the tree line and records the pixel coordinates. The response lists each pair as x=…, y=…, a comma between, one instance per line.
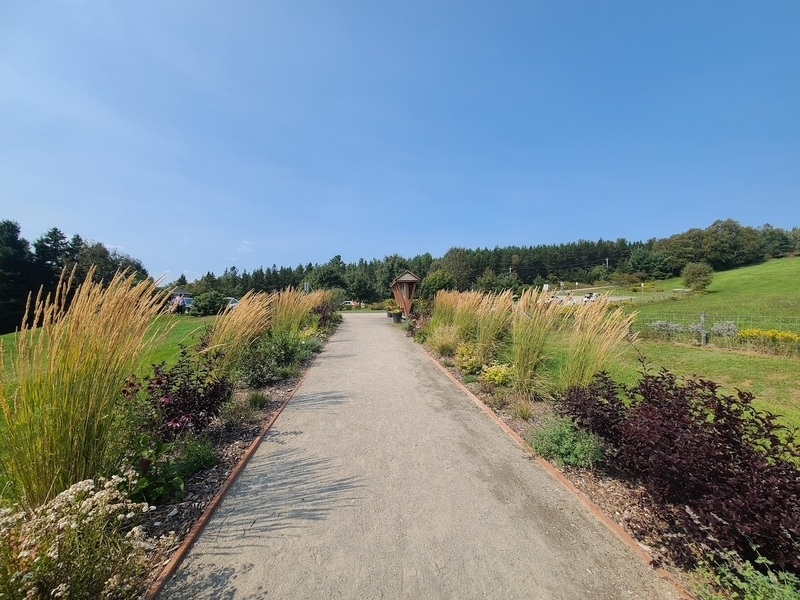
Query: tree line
x=725, y=244
x=26, y=268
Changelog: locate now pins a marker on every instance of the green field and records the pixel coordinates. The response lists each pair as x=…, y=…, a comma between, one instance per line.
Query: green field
x=774, y=380
x=185, y=330
x=763, y=296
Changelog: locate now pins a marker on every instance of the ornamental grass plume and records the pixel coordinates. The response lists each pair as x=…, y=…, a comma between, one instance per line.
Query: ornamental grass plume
x=61, y=408
x=596, y=333
x=466, y=314
x=235, y=329
x=444, y=308
x=493, y=319
x=290, y=307
x=444, y=339
x=533, y=320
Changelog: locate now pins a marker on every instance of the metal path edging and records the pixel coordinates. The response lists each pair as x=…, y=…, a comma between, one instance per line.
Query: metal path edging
x=158, y=585
x=595, y=510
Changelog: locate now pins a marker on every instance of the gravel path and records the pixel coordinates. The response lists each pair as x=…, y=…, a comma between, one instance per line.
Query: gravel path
x=382, y=479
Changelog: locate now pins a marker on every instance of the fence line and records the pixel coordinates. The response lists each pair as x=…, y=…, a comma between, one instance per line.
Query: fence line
x=741, y=321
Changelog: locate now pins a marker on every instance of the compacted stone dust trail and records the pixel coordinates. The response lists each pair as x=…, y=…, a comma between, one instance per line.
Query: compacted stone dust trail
x=382, y=479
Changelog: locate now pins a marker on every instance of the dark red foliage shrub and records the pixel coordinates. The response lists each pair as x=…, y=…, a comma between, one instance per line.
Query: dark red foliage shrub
x=327, y=312
x=186, y=396
x=597, y=407
x=725, y=471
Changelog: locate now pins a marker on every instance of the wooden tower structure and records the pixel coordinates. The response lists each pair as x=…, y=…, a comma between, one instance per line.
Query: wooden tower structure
x=403, y=288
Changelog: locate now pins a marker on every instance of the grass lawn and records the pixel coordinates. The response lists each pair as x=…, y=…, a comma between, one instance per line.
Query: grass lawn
x=774, y=380
x=769, y=292
x=186, y=330
x=765, y=295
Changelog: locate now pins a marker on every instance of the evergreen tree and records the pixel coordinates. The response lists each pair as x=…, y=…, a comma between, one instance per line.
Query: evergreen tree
x=17, y=275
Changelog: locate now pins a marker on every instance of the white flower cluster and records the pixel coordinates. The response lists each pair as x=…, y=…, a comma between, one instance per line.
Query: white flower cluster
x=88, y=529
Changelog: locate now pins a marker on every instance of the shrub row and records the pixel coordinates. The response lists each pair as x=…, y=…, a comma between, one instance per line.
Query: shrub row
x=722, y=470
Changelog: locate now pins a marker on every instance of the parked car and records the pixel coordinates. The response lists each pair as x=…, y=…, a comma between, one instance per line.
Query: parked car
x=231, y=302
x=589, y=297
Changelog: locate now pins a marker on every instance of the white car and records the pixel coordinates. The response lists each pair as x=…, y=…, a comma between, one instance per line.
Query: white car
x=231, y=302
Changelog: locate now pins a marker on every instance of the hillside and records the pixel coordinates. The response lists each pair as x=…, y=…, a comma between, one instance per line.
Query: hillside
x=765, y=295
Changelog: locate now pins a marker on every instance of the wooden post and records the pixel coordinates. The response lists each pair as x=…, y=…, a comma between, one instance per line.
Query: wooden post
x=703, y=328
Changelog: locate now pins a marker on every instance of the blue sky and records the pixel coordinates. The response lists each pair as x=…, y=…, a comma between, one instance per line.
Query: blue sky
x=199, y=135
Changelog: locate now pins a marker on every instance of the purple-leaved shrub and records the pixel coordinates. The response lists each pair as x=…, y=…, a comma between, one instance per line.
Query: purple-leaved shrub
x=184, y=397
x=725, y=472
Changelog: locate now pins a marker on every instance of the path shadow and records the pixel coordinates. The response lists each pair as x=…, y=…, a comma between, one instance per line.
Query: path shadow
x=324, y=357
x=319, y=399
x=276, y=497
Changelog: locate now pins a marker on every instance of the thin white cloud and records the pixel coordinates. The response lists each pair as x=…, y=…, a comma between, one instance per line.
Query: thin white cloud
x=244, y=247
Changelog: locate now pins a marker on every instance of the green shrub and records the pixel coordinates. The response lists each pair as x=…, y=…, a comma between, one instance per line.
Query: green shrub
x=273, y=358
x=467, y=360
x=729, y=576
x=195, y=453
x=235, y=414
x=312, y=343
x=560, y=440
x=470, y=378
x=498, y=374
x=158, y=476
x=697, y=276
x=258, y=400
x=80, y=544
x=210, y=303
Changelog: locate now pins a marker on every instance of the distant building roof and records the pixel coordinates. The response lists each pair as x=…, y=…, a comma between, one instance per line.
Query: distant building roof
x=406, y=277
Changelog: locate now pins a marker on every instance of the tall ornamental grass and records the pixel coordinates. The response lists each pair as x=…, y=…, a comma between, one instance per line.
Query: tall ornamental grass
x=493, y=319
x=290, y=307
x=444, y=308
x=444, y=339
x=532, y=322
x=237, y=328
x=61, y=412
x=596, y=333
x=466, y=314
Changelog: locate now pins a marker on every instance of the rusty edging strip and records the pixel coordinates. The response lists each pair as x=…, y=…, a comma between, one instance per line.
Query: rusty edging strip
x=158, y=585
x=593, y=508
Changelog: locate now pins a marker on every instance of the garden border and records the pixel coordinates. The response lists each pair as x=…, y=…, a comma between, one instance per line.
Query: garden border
x=638, y=549
x=169, y=570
